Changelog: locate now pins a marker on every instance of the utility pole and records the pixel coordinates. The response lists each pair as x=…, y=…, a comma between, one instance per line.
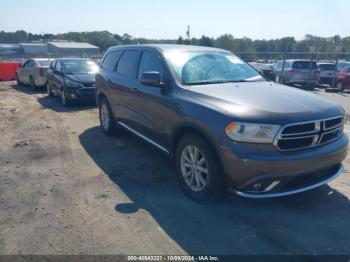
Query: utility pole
x=188, y=33
x=335, y=73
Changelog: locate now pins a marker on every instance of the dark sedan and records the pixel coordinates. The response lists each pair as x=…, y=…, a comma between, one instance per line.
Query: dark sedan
x=72, y=79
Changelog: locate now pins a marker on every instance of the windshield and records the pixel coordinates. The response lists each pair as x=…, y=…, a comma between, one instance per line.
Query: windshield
x=79, y=67
x=327, y=66
x=209, y=67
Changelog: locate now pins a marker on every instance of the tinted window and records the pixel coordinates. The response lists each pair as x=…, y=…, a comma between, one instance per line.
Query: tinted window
x=304, y=65
x=327, y=66
x=127, y=63
x=58, y=66
x=151, y=62
x=286, y=65
x=111, y=60
x=53, y=64
x=29, y=64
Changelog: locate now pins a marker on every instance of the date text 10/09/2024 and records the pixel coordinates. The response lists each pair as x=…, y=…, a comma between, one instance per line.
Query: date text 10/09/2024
x=173, y=258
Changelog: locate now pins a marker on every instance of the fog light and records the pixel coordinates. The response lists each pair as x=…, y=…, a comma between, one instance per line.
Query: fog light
x=73, y=96
x=257, y=186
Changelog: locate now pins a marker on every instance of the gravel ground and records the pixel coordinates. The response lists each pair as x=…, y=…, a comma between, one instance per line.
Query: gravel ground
x=65, y=188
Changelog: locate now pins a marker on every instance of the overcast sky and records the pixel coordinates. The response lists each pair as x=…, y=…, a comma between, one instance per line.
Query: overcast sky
x=168, y=19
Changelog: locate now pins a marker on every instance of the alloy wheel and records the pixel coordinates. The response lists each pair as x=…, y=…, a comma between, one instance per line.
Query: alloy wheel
x=63, y=96
x=105, y=116
x=194, y=168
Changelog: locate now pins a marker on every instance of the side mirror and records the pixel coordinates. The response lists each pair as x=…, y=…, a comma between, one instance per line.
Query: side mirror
x=151, y=78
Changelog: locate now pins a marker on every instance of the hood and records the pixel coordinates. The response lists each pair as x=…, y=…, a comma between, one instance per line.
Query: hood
x=266, y=102
x=81, y=78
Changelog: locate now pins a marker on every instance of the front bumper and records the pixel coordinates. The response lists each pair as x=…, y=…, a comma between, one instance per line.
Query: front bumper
x=260, y=170
x=295, y=185
x=81, y=94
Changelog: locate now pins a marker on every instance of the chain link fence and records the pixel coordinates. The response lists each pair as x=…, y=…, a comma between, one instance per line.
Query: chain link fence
x=270, y=61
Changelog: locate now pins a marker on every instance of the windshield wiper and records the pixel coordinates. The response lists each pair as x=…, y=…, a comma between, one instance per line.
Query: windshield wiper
x=203, y=83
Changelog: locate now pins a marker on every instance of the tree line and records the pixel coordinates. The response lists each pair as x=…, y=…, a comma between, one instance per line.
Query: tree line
x=105, y=39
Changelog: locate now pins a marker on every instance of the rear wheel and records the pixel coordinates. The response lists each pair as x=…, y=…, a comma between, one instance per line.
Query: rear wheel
x=19, y=83
x=107, y=120
x=340, y=86
x=197, y=168
x=32, y=82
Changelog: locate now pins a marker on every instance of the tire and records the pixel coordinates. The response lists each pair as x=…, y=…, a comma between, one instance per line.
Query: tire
x=65, y=100
x=48, y=90
x=32, y=83
x=340, y=86
x=107, y=119
x=195, y=182
x=19, y=83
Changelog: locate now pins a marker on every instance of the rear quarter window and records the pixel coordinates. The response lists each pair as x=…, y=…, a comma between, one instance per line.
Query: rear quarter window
x=128, y=63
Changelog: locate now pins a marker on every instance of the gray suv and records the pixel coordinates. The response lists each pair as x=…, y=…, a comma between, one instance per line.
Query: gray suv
x=297, y=72
x=220, y=121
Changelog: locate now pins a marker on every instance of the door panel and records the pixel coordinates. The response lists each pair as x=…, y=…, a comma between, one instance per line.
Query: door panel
x=148, y=102
x=120, y=89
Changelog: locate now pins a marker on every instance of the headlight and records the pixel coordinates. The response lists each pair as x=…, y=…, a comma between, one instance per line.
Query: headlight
x=72, y=84
x=254, y=133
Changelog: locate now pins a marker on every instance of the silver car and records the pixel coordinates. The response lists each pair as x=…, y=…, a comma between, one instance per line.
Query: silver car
x=297, y=72
x=326, y=73
x=33, y=72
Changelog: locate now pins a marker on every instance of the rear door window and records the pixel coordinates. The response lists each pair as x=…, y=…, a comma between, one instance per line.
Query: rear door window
x=58, y=66
x=111, y=60
x=127, y=63
x=29, y=64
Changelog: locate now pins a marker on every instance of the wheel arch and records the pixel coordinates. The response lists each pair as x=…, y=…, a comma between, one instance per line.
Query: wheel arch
x=186, y=129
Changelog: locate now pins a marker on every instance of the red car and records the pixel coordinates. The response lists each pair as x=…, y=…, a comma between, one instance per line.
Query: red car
x=343, y=81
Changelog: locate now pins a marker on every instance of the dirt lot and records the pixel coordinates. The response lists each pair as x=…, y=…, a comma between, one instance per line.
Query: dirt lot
x=65, y=188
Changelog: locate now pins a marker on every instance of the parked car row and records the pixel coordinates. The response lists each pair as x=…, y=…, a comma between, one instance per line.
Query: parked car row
x=224, y=126
x=305, y=73
x=72, y=79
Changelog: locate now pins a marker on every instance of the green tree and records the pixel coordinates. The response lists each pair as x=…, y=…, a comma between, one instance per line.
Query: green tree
x=205, y=41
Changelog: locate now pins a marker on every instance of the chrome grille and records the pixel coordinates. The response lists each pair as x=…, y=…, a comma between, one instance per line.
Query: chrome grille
x=309, y=134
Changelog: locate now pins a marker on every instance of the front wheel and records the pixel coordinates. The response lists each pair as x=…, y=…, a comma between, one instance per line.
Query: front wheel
x=107, y=120
x=64, y=98
x=48, y=90
x=197, y=168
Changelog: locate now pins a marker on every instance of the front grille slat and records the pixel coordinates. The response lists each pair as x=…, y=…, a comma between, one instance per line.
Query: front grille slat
x=309, y=134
